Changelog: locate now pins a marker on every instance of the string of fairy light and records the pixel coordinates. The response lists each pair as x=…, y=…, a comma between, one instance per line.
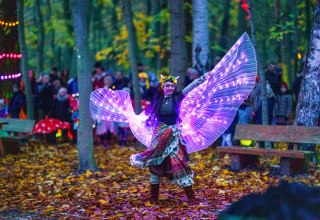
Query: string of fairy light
x=9, y=24
x=9, y=55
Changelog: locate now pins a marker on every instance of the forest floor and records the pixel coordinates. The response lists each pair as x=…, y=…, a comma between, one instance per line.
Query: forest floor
x=42, y=183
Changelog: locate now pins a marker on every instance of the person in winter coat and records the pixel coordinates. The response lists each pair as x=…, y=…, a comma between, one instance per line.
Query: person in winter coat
x=45, y=98
x=61, y=109
x=271, y=99
x=284, y=105
x=17, y=101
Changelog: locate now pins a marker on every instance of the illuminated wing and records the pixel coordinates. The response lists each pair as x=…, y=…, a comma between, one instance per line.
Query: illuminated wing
x=106, y=104
x=208, y=110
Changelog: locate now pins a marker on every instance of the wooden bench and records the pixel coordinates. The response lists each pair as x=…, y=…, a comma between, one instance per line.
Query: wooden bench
x=11, y=144
x=291, y=162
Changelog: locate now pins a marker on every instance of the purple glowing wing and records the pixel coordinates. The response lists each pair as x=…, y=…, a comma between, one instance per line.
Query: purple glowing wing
x=106, y=104
x=208, y=110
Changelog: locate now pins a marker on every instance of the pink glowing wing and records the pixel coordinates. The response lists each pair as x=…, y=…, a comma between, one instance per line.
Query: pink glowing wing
x=106, y=104
x=208, y=110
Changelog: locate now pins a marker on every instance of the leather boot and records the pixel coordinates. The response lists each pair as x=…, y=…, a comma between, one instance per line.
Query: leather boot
x=154, y=193
x=192, y=200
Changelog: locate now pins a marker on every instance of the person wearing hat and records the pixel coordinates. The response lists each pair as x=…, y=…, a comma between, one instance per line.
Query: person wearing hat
x=144, y=85
x=61, y=109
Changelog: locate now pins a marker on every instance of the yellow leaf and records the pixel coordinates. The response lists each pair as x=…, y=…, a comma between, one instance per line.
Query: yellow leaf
x=102, y=201
x=148, y=204
x=225, y=172
x=88, y=173
x=58, y=196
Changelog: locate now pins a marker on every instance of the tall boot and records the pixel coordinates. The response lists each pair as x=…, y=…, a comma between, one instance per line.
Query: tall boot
x=154, y=193
x=192, y=200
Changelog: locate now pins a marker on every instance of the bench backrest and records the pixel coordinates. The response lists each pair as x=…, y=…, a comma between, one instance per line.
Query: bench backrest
x=278, y=133
x=18, y=125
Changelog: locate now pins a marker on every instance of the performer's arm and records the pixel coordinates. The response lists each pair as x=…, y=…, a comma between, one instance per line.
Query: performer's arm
x=194, y=84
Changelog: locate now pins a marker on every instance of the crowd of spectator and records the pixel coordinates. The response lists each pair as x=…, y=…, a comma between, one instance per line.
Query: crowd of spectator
x=55, y=95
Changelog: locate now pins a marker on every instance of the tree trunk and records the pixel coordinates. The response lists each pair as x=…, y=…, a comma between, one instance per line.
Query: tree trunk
x=188, y=24
x=225, y=28
x=68, y=52
x=287, y=46
x=242, y=24
x=85, y=137
x=278, y=50
x=163, y=59
x=8, y=44
x=24, y=60
x=265, y=117
x=178, y=61
x=295, y=37
x=155, y=26
x=133, y=53
x=200, y=37
x=40, y=40
x=308, y=19
x=308, y=107
x=52, y=43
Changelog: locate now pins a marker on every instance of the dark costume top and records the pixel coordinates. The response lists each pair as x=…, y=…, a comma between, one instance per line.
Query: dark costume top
x=169, y=110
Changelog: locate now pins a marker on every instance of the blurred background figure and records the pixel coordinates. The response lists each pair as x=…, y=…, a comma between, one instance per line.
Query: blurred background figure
x=3, y=110
x=17, y=101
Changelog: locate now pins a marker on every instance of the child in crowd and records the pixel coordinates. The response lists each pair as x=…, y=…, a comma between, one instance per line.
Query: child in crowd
x=61, y=109
x=3, y=110
x=284, y=103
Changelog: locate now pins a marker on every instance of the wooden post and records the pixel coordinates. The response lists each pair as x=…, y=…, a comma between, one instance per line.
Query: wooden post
x=240, y=161
x=292, y=166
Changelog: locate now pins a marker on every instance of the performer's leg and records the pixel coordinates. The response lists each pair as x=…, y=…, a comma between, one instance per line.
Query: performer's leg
x=154, y=188
x=192, y=200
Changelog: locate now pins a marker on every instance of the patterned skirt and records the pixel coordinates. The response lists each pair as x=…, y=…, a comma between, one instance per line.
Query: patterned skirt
x=167, y=156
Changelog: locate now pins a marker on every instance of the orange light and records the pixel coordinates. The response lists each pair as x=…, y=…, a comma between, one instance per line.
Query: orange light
x=10, y=24
x=299, y=56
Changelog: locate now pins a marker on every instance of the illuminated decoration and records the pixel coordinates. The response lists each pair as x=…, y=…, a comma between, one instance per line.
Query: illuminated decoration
x=10, y=76
x=205, y=112
x=9, y=24
x=246, y=143
x=59, y=133
x=48, y=125
x=245, y=7
x=10, y=55
x=299, y=56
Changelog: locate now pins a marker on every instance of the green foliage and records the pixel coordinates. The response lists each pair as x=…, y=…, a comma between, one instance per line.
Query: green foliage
x=278, y=31
x=149, y=44
x=108, y=34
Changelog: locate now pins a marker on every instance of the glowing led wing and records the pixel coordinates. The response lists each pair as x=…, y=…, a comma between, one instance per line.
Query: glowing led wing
x=106, y=104
x=208, y=110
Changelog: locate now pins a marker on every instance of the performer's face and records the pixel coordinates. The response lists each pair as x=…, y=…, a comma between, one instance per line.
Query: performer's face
x=168, y=88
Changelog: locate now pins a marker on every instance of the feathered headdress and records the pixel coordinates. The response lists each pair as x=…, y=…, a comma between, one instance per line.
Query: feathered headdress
x=164, y=79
